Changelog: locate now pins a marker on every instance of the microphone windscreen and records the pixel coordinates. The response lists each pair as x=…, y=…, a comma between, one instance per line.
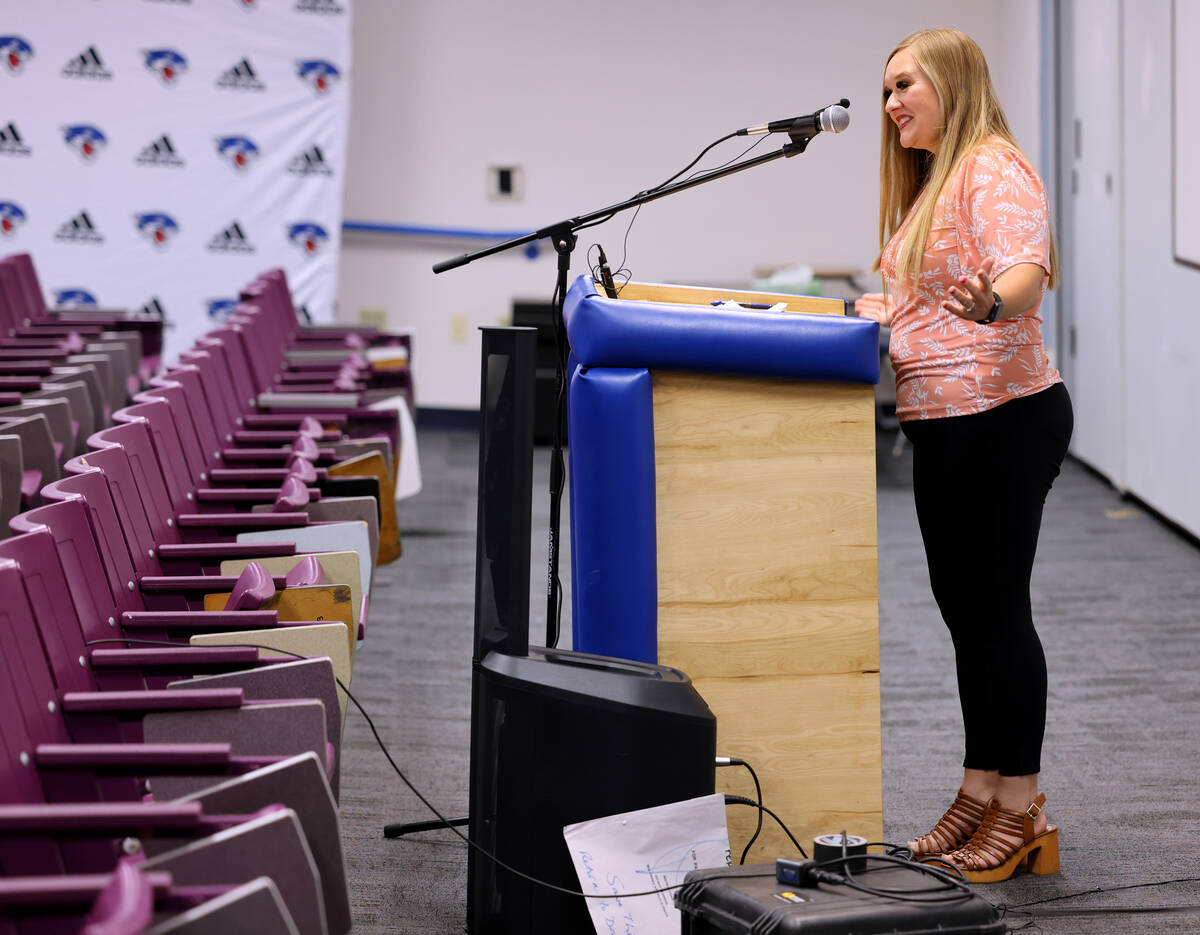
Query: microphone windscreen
x=835, y=118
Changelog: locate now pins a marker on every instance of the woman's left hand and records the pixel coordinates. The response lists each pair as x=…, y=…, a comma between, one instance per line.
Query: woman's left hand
x=971, y=298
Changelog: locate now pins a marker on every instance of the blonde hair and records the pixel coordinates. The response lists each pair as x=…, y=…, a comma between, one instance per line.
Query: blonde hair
x=971, y=113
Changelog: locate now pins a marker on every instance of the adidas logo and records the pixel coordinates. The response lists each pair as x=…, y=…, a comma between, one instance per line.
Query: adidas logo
x=79, y=229
x=241, y=77
x=153, y=309
x=87, y=65
x=325, y=7
x=11, y=143
x=310, y=162
x=231, y=240
x=160, y=153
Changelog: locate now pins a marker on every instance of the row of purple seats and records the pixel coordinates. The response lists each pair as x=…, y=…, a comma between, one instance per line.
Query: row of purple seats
x=147, y=773
x=61, y=378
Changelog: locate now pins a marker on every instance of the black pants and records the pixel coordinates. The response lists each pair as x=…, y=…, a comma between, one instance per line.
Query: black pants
x=980, y=482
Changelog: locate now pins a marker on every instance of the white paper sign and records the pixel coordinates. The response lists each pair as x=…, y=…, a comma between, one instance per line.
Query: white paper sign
x=645, y=850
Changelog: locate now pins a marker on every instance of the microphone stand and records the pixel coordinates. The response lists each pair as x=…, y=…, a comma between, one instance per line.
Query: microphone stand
x=563, y=236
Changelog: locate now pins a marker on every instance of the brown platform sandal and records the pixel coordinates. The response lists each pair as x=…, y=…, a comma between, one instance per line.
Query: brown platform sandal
x=953, y=830
x=987, y=857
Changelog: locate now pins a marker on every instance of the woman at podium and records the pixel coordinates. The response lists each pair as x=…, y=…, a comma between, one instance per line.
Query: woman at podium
x=966, y=255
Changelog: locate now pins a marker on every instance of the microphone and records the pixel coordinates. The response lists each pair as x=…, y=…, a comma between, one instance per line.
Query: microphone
x=832, y=119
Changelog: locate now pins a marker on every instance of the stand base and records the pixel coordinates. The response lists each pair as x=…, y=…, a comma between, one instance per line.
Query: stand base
x=415, y=827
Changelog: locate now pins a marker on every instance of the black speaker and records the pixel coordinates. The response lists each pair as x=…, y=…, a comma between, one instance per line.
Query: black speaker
x=557, y=737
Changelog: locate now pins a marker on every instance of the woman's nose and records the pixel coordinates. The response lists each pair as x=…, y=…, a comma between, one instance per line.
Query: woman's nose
x=892, y=103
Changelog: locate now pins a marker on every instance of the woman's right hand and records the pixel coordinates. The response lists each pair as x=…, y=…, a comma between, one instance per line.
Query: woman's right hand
x=874, y=305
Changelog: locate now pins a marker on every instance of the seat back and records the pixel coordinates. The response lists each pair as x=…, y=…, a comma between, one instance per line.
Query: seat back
x=168, y=448
x=40, y=466
x=102, y=527
x=11, y=471
x=186, y=431
x=129, y=501
x=97, y=609
x=232, y=342
x=209, y=359
x=52, y=599
x=35, y=299
x=148, y=480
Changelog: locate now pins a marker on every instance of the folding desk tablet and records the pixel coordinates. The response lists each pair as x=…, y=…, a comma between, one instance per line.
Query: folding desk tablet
x=723, y=523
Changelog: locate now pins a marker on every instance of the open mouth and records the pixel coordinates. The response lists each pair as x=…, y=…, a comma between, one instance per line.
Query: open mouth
x=903, y=122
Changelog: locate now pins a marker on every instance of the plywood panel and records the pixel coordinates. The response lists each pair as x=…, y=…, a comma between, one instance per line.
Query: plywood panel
x=814, y=743
x=768, y=587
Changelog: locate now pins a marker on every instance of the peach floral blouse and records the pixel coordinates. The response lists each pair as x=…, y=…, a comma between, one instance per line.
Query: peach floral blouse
x=994, y=205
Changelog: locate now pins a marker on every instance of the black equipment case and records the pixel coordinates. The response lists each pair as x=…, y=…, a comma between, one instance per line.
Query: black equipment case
x=748, y=901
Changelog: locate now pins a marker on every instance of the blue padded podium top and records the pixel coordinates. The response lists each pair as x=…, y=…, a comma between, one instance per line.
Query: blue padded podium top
x=608, y=332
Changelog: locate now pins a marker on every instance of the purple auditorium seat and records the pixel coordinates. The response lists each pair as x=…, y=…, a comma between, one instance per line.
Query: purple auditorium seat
x=36, y=311
x=41, y=761
x=44, y=672
x=96, y=617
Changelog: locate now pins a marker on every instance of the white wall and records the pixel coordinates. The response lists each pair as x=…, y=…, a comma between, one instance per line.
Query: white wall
x=1160, y=305
x=598, y=101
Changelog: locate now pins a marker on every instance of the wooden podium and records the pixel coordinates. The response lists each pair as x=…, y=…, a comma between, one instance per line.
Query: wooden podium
x=766, y=582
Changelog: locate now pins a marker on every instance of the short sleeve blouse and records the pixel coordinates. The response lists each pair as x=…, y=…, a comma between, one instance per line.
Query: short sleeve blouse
x=994, y=205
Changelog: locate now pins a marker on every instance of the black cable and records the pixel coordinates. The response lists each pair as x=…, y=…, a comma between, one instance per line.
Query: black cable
x=735, y=761
x=1107, y=889
x=621, y=268
x=662, y=185
x=905, y=895
x=650, y=191
x=424, y=801
x=742, y=800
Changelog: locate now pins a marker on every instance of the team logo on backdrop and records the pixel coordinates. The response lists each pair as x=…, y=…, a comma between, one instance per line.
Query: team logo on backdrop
x=87, y=64
x=79, y=229
x=318, y=74
x=238, y=151
x=157, y=227
x=16, y=52
x=231, y=240
x=75, y=298
x=246, y=4
x=308, y=236
x=310, y=162
x=12, y=216
x=11, y=143
x=85, y=140
x=326, y=7
x=160, y=152
x=166, y=63
x=241, y=77
x=219, y=308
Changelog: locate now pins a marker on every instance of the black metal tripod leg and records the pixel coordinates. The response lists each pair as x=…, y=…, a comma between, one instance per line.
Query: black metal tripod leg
x=415, y=827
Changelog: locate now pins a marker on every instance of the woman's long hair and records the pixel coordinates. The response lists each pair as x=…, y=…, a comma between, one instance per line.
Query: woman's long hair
x=970, y=114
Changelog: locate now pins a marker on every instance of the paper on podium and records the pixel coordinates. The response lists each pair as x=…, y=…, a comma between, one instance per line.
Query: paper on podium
x=644, y=850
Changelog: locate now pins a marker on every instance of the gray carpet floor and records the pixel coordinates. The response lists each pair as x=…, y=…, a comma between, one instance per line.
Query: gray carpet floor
x=1117, y=599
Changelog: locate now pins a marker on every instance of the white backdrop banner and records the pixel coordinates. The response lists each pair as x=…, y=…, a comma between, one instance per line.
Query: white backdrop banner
x=158, y=154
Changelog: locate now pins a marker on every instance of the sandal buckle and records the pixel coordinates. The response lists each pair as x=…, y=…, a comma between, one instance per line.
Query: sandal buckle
x=1034, y=810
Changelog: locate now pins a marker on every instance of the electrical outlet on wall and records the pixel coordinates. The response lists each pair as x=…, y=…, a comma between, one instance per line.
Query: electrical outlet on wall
x=506, y=183
x=373, y=316
x=458, y=329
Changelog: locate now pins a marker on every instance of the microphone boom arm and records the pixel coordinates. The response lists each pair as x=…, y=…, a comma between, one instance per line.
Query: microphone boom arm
x=794, y=148
x=563, y=237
